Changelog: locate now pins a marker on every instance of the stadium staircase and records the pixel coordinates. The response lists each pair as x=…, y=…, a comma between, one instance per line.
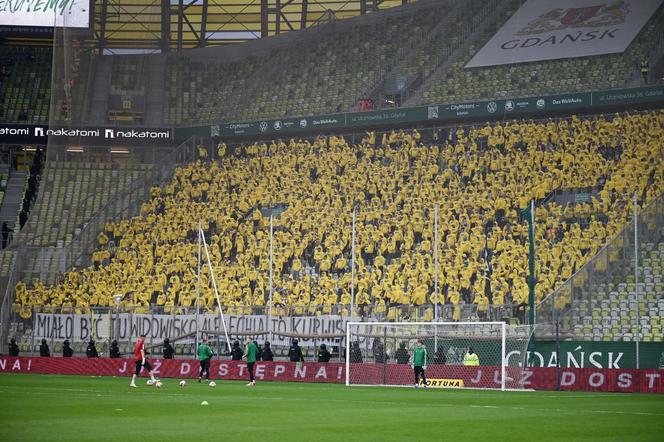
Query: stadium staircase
x=600, y=302
x=155, y=91
x=11, y=203
x=500, y=11
x=408, y=53
x=102, y=84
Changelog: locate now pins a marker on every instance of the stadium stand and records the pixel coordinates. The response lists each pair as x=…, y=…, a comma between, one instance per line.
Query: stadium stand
x=394, y=181
x=326, y=74
x=128, y=75
x=326, y=70
x=605, y=301
x=195, y=90
x=543, y=78
x=25, y=84
x=71, y=196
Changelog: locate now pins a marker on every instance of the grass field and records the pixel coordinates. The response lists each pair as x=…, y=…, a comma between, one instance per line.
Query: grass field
x=39, y=407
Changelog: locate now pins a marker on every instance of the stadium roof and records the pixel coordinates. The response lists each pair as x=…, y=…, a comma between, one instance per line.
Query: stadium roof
x=172, y=24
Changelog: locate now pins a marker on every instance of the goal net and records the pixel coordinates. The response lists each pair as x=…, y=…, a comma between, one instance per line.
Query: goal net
x=382, y=354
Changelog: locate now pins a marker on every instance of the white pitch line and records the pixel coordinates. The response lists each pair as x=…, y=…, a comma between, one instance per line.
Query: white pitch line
x=88, y=393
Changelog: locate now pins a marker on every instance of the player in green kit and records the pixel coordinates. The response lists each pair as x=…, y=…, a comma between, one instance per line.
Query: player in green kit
x=204, y=356
x=250, y=353
x=420, y=363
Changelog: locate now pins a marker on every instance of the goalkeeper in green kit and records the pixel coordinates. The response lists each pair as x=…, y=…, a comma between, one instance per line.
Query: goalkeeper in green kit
x=250, y=353
x=420, y=363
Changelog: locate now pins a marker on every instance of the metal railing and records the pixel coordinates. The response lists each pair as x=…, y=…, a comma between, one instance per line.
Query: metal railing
x=603, y=299
x=124, y=324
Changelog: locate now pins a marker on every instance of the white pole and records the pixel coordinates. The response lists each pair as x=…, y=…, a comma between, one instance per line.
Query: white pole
x=352, y=268
x=532, y=223
x=435, y=274
x=347, y=354
x=503, y=362
x=636, y=279
x=198, y=283
x=216, y=291
x=435, y=262
x=269, y=311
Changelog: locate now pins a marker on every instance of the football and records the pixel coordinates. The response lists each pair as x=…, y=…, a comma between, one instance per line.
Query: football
x=158, y=384
x=183, y=383
x=212, y=384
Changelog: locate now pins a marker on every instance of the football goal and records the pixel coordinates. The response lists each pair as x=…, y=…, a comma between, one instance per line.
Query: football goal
x=489, y=355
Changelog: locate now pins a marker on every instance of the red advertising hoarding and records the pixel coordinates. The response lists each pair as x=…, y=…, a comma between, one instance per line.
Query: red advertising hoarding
x=573, y=379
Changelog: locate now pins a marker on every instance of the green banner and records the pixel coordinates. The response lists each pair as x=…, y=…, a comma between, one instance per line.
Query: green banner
x=573, y=354
x=276, y=127
x=597, y=354
x=629, y=96
x=536, y=107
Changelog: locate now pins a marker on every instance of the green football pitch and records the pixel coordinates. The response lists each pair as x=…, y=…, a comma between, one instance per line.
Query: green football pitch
x=39, y=407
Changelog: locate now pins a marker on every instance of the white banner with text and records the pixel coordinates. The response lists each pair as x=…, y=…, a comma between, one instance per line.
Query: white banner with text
x=545, y=30
x=123, y=327
x=57, y=13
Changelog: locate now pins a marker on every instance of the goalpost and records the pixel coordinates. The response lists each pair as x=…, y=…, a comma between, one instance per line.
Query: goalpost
x=380, y=353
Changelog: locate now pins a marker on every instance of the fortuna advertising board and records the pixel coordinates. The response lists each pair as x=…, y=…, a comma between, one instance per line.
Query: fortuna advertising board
x=545, y=30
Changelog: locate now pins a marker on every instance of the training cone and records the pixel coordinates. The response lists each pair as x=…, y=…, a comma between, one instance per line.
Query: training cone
x=204, y=403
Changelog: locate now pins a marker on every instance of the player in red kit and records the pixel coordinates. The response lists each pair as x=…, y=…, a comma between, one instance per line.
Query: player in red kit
x=139, y=359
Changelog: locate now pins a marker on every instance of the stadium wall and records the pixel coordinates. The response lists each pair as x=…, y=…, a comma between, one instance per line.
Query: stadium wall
x=537, y=107
x=569, y=379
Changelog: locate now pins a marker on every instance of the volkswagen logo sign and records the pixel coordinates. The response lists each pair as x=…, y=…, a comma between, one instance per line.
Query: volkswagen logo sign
x=263, y=126
x=491, y=107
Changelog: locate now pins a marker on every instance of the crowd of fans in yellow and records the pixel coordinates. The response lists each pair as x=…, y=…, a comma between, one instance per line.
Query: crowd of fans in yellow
x=478, y=178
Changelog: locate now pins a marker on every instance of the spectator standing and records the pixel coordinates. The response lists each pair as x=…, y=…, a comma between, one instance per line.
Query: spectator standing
x=645, y=70
x=379, y=354
x=168, y=349
x=236, y=352
x=91, y=350
x=323, y=353
x=439, y=357
x=401, y=354
x=114, y=350
x=355, y=353
x=44, y=351
x=471, y=359
x=5, y=235
x=295, y=352
x=266, y=353
x=13, y=348
x=67, y=351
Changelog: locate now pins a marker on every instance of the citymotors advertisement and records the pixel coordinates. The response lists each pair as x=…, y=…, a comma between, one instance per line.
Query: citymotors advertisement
x=56, y=13
x=545, y=30
x=537, y=107
x=571, y=379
